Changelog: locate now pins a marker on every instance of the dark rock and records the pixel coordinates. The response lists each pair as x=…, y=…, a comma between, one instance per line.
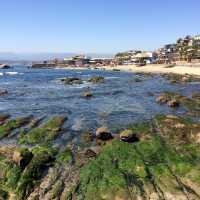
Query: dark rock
x=103, y=133
x=4, y=66
x=128, y=136
x=137, y=80
x=162, y=99
x=3, y=92
x=4, y=117
x=71, y=81
x=87, y=94
x=88, y=137
x=173, y=103
x=89, y=153
x=22, y=157
x=96, y=79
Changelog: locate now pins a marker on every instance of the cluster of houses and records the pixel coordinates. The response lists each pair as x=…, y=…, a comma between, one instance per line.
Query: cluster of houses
x=184, y=50
x=135, y=57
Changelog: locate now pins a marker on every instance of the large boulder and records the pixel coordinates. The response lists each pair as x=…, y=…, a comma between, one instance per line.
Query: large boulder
x=128, y=136
x=22, y=157
x=103, y=133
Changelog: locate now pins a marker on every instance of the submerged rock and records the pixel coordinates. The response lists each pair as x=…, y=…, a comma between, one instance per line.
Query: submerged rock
x=103, y=133
x=97, y=79
x=71, y=81
x=87, y=94
x=3, y=92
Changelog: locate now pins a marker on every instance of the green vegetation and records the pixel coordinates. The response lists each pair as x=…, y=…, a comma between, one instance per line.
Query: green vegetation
x=158, y=161
x=65, y=156
x=164, y=160
x=7, y=128
x=45, y=134
x=34, y=171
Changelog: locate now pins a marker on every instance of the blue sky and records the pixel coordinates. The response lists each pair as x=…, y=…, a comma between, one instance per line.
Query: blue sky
x=96, y=26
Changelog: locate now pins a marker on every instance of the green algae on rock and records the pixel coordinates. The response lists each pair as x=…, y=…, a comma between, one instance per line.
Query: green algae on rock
x=153, y=166
x=9, y=126
x=44, y=134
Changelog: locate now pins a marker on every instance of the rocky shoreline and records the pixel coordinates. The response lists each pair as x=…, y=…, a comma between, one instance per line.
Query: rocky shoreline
x=155, y=159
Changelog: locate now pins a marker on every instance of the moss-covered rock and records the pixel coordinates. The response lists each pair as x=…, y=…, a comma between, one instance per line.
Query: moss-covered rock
x=128, y=136
x=22, y=157
x=65, y=156
x=9, y=126
x=44, y=134
x=43, y=156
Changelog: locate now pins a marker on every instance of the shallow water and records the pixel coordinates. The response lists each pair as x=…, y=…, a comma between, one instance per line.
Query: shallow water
x=116, y=103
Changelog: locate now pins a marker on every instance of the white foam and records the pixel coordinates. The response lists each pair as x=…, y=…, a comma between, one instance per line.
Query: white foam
x=1, y=74
x=13, y=73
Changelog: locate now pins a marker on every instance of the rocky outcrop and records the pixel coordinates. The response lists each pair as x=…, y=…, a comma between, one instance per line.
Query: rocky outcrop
x=4, y=66
x=71, y=81
x=128, y=136
x=97, y=79
x=103, y=133
x=22, y=157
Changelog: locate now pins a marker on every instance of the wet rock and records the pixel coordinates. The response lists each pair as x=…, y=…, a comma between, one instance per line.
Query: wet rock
x=3, y=92
x=103, y=133
x=87, y=94
x=22, y=157
x=89, y=153
x=137, y=80
x=96, y=79
x=71, y=81
x=162, y=99
x=4, y=66
x=173, y=103
x=88, y=137
x=4, y=117
x=185, y=79
x=128, y=136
